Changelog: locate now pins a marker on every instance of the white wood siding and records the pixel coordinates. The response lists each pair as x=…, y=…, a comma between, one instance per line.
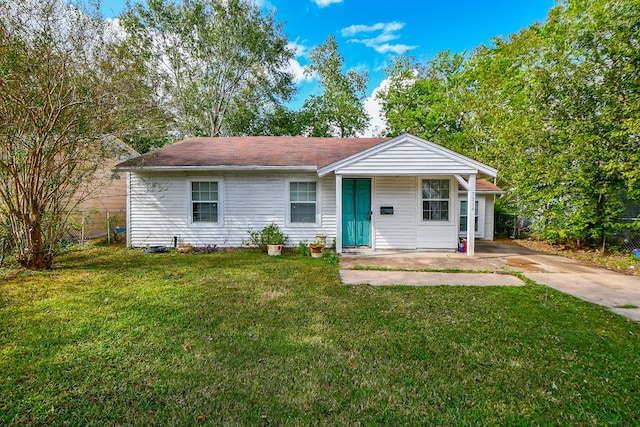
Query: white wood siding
x=405, y=229
x=406, y=159
x=443, y=236
x=489, y=212
x=438, y=234
x=160, y=208
x=397, y=231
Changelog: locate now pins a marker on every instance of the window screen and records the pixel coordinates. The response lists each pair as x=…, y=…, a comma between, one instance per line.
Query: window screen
x=435, y=199
x=204, y=201
x=302, y=197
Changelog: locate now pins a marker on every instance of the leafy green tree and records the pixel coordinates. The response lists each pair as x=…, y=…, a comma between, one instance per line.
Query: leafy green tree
x=586, y=86
x=274, y=121
x=215, y=60
x=425, y=100
x=142, y=123
x=554, y=107
x=55, y=108
x=503, y=121
x=339, y=110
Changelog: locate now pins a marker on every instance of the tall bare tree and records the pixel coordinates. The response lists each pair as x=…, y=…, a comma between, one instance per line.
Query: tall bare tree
x=54, y=109
x=216, y=61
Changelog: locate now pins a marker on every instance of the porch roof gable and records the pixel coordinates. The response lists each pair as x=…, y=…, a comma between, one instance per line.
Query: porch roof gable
x=407, y=155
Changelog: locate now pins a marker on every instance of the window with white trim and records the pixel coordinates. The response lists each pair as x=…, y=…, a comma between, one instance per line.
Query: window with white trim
x=463, y=216
x=204, y=201
x=435, y=199
x=302, y=202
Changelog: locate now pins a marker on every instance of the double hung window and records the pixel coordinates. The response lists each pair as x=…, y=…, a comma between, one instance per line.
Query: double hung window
x=435, y=199
x=463, y=216
x=302, y=202
x=204, y=201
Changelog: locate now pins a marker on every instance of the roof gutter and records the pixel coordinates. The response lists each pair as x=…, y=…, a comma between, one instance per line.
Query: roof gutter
x=483, y=192
x=213, y=168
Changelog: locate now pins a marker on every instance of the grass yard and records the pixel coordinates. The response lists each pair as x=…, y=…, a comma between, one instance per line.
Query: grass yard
x=117, y=337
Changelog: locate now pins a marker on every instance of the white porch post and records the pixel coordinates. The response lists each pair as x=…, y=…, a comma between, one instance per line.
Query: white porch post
x=338, y=214
x=471, y=215
x=128, y=208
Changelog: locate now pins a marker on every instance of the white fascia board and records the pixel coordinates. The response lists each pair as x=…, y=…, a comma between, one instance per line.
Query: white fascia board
x=215, y=168
x=481, y=167
x=425, y=172
x=482, y=192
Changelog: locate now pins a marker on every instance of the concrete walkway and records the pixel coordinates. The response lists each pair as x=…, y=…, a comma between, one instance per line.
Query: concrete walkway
x=596, y=285
x=386, y=278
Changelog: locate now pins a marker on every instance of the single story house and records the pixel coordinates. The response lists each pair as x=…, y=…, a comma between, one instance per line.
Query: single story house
x=383, y=193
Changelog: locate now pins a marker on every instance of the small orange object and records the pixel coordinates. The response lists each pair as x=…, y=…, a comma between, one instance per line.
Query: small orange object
x=187, y=346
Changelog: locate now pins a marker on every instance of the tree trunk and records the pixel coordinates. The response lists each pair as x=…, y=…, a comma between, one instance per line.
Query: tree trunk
x=33, y=256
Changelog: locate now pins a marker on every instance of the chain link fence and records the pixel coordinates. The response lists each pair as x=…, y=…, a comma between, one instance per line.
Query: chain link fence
x=82, y=227
x=626, y=239
x=94, y=224
x=510, y=225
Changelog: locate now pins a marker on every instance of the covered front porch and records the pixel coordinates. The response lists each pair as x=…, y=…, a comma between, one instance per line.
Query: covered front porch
x=404, y=194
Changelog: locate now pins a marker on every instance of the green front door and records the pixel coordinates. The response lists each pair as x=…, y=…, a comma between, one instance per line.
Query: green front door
x=356, y=212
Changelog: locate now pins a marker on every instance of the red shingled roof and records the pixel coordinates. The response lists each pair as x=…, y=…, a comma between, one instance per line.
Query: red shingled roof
x=262, y=151
x=482, y=185
x=254, y=151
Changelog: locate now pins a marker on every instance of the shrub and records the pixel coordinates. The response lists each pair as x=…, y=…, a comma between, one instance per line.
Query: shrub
x=206, y=249
x=270, y=235
x=303, y=249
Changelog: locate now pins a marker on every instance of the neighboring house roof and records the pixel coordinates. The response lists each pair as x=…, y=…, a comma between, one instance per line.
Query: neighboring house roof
x=484, y=186
x=119, y=148
x=252, y=151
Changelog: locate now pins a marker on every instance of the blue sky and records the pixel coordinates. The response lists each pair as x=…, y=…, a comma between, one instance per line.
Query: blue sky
x=370, y=32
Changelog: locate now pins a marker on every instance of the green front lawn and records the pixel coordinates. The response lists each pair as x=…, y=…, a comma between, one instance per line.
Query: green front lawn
x=114, y=336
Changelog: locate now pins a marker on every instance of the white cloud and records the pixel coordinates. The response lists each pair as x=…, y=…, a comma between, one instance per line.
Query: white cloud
x=385, y=27
x=299, y=49
x=299, y=75
x=387, y=32
x=377, y=123
x=395, y=48
x=325, y=3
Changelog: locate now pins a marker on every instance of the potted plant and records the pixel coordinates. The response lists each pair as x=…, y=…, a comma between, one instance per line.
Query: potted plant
x=275, y=239
x=316, y=249
x=274, y=250
x=269, y=238
x=184, y=248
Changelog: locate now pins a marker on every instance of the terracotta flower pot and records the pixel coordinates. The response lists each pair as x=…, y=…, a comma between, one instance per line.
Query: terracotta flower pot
x=184, y=249
x=274, y=250
x=316, y=249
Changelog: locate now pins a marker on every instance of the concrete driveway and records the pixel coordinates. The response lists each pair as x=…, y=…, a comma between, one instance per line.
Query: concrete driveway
x=592, y=284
